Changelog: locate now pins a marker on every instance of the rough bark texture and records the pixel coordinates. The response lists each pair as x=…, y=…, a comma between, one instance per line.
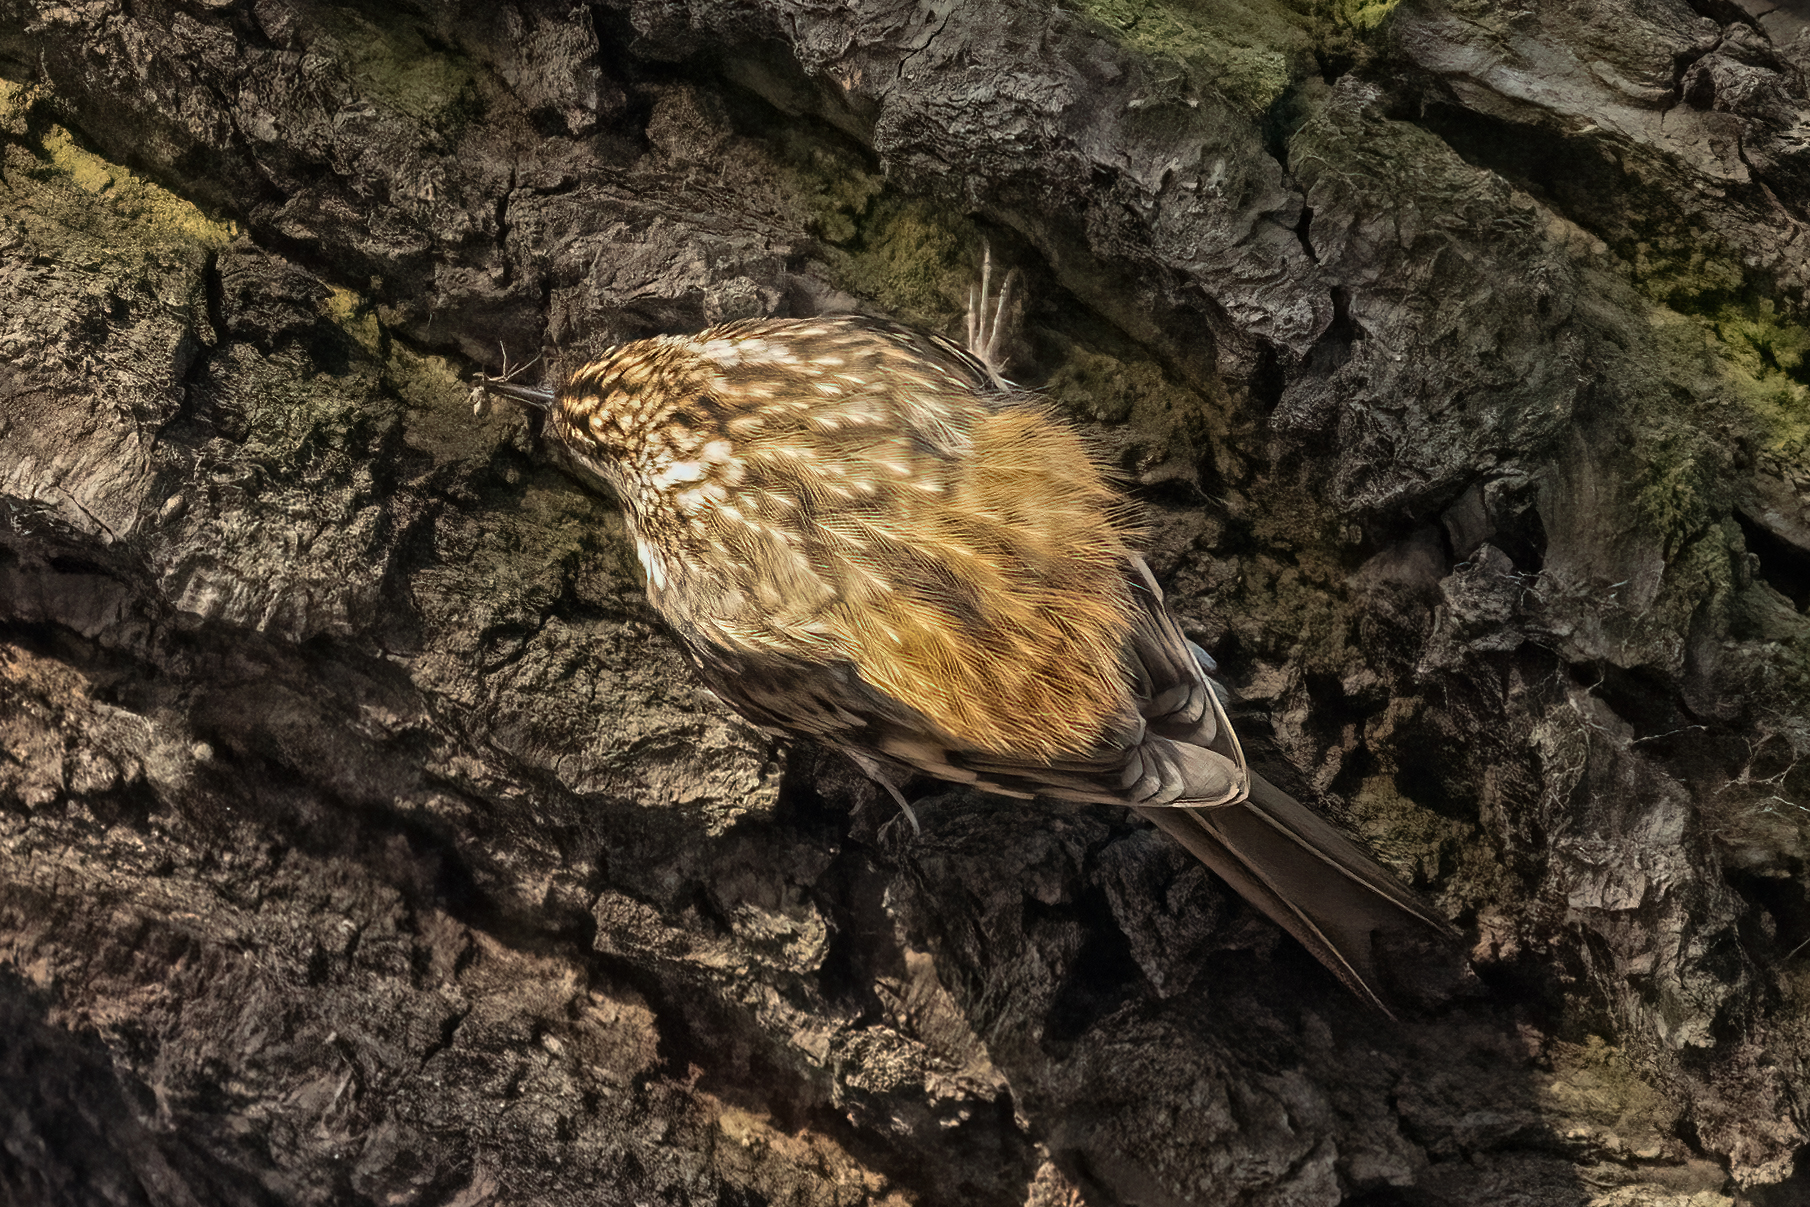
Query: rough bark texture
x=362, y=838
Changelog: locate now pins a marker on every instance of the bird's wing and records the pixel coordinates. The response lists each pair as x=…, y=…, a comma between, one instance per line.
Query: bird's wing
x=919, y=347
x=1178, y=750
x=1310, y=879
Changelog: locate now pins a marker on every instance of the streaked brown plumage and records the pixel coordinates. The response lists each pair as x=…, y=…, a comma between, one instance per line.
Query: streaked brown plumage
x=861, y=534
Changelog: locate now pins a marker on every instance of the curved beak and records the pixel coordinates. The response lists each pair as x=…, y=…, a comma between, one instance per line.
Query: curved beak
x=540, y=398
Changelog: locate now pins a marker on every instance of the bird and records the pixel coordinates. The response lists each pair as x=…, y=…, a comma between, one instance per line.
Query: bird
x=864, y=534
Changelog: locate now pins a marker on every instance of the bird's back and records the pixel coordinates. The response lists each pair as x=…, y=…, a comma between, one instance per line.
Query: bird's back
x=958, y=546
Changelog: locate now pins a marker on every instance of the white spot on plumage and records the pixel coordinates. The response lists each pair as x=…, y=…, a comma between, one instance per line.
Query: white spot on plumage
x=699, y=497
x=726, y=353
x=652, y=562
x=677, y=472
x=748, y=350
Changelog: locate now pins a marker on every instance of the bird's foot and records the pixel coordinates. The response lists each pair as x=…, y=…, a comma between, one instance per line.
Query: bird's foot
x=872, y=769
x=904, y=808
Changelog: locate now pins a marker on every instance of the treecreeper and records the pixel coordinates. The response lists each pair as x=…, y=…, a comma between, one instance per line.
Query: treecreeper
x=864, y=535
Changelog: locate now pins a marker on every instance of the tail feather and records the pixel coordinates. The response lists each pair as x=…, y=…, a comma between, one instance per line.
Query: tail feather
x=1310, y=879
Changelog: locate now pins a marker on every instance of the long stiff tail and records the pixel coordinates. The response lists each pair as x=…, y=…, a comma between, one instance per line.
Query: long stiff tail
x=1310, y=879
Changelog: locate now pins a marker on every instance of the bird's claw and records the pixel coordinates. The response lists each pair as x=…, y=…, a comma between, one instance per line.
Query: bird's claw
x=986, y=320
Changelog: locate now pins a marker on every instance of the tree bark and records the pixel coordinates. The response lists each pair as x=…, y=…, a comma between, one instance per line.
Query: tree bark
x=363, y=838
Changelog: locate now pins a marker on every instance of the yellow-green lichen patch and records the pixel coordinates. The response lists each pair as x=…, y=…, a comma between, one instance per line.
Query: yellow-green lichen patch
x=1765, y=352
x=1683, y=269
x=16, y=102
x=1596, y=1095
x=1760, y=342
x=1359, y=14
x=1725, y=341
x=109, y=310
x=353, y=314
x=71, y=200
x=153, y=211
x=1343, y=29
x=1424, y=847
x=1250, y=53
x=1740, y=362
x=388, y=58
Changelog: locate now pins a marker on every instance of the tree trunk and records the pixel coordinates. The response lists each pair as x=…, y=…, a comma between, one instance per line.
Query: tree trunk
x=363, y=838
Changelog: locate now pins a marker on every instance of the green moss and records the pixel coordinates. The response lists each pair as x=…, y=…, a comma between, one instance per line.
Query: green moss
x=1731, y=342
x=836, y=191
x=1249, y=52
x=1765, y=352
x=1104, y=389
x=1673, y=493
x=915, y=259
x=1293, y=613
x=1761, y=343
x=1748, y=355
x=1683, y=269
x=1156, y=430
